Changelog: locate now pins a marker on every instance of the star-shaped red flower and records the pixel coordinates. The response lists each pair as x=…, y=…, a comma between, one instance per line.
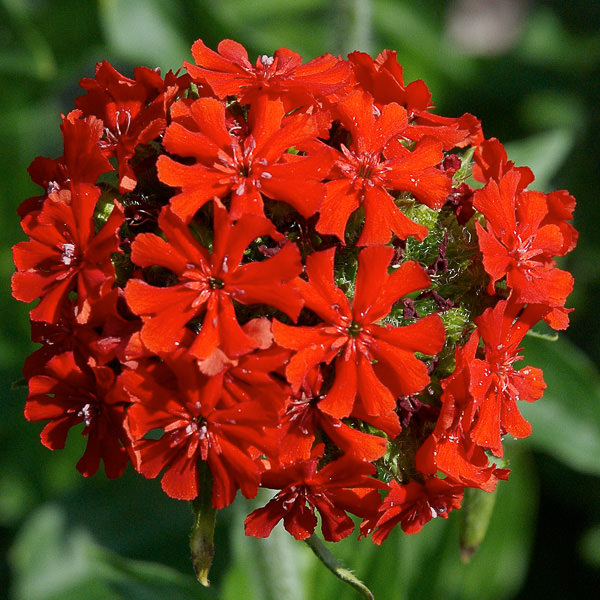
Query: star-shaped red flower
x=207, y=284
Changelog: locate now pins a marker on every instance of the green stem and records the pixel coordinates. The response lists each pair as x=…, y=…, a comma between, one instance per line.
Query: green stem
x=352, y=26
x=332, y=563
x=549, y=337
x=203, y=530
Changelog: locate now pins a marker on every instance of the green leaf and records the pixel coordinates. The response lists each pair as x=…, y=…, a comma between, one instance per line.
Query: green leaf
x=428, y=565
x=566, y=421
x=499, y=567
x=142, y=31
x=590, y=546
x=544, y=153
x=28, y=52
x=267, y=569
x=52, y=561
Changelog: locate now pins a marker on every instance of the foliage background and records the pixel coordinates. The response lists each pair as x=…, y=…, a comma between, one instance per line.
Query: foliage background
x=530, y=71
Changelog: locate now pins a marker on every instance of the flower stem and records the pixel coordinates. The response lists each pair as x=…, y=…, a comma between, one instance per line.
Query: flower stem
x=205, y=516
x=332, y=563
x=352, y=26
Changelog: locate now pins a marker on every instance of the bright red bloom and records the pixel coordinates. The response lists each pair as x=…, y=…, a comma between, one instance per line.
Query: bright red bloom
x=207, y=284
x=412, y=505
x=95, y=342
x=252, y=311
x=517, y=244
x=449, y=448
x=67, y=395
x=495, y=384
x=491, y=162
x=185, y=404
x=134, y=111
x=366, y=170
x=257, y=375
x=230, y=73
x=247, y=167
x=350, y=335
x=341, y=486
x=560, y=210
x=82, y=162
x=65, y=253
x=304, y=419
x=382, y=77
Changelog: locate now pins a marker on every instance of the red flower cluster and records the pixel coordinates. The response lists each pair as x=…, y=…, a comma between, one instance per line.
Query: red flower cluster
x=283, y=271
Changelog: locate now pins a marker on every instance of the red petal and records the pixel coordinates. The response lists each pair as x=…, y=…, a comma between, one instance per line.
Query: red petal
x=260, y=522
x=169, y=310
x=382, y=216
x=371, y=278
x=340, y=201
x=375, y=397
x=148, y=250
x=339, y=401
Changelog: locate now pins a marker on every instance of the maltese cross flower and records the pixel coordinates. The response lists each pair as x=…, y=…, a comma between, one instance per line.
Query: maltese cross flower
x=372, y=165
x=247, y=167
x=134, y=111
x=350, y=335
x=517, y=244
x=412, y=505
x=342, y=485
x=65, y=395
x=229, y=73
x=65, y=253
x=495, y=384
x=207, y=284
x=186, y=406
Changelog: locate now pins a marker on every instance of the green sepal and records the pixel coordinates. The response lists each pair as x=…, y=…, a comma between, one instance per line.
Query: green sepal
x=464, y=172
x=104, y=208
x=476, y=512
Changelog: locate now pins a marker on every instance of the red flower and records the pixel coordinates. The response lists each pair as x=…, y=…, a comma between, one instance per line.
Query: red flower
x=66, y=395
x=185, y=404
x=64, y=253
x=252, y=308
x=491, y=162
x=349, y=334
x=341, y=486
x=82, y=162
x=207, y=284
x=245, y=167
x=449, y=448
x=495, y=384
x=303, y=420
x=517, y=244
x=382, y=77
x=560, y=210
x=365, y=171
x=230, y=73
x=94, y=342
x=257, y=375
x=412, y=505
x=134, y=111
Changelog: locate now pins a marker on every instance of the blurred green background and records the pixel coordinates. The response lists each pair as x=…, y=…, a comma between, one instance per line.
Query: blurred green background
x=531, y=71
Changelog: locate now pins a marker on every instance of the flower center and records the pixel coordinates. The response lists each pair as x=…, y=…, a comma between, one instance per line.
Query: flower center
x=215, y=283
x=354, y=329
x=367, y=166
x=88, y=413
x=67, y=256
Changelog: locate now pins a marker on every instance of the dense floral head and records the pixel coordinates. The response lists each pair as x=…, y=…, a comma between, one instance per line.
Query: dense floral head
x=291, y=275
